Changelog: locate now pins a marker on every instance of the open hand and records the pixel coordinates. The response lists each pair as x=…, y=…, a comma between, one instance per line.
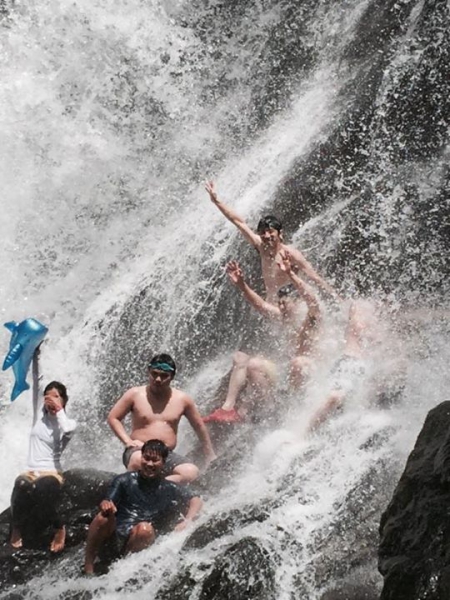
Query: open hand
x=135, y=444
x=235, y=273
x=285, y=265
x=209, y=187
x=107, y=508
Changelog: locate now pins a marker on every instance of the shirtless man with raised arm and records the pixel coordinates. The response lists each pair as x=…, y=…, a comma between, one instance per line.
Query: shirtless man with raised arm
x=156, y=410
x=268, y=240
x=302, y=332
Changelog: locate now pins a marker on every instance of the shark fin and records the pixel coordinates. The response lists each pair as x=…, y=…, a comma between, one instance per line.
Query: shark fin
x=11, y=326
x=12, y=356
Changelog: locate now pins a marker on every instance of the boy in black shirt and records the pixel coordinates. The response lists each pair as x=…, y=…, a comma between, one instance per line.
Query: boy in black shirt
x=139, y=505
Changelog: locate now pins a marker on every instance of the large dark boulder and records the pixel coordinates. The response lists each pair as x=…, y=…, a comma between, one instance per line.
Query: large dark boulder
x=414, y=552
x=245, y=571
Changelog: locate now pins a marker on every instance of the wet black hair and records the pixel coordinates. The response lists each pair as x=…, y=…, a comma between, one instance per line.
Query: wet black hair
x=60, y=388
x=156, y=447
x=269, y=222
x=287, y=290
x=163, y=359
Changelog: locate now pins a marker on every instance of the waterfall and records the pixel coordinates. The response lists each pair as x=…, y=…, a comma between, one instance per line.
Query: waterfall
x=333, y=115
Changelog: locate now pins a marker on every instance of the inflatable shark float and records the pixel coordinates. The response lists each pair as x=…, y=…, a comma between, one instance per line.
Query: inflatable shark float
x=25, y=339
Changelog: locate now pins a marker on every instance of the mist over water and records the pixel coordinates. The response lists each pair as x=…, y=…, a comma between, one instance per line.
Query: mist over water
x=112, y=114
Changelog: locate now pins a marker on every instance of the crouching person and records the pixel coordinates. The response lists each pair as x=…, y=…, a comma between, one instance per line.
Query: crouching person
x=140, y=505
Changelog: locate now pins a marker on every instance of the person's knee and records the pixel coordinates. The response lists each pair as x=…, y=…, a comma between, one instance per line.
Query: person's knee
x=135, y=461
x=143, y=531
x=48, y=486
x=188, y=472
x=256, y=365
x=240, y=359
x=22, y=482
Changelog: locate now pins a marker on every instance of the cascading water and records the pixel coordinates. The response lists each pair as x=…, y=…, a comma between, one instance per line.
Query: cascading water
x=333, y=115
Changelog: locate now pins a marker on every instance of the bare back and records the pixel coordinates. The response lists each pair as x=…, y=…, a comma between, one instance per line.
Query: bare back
x=153, y=418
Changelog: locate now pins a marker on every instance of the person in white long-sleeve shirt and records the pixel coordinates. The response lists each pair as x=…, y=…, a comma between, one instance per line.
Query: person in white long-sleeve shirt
x=40, y=485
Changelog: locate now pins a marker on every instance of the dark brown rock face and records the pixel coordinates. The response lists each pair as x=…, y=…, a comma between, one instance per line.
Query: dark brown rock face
x=414, y=554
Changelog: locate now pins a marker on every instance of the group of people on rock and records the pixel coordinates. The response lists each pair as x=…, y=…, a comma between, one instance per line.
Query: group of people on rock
x=152, y=496
x=290, y=348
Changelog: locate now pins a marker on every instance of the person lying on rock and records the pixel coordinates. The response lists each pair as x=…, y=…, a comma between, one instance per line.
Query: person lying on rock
x=268, y=241
x=38, y=489
x=366, y=344
x=297, y=332
x=139, y=506
x=156, y=410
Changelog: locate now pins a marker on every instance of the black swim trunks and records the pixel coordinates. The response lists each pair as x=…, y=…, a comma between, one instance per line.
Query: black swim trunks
x=139, y=499
x=173, y=460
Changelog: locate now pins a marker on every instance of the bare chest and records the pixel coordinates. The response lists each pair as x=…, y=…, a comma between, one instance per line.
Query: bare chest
x=146, y=412
x=272, y=273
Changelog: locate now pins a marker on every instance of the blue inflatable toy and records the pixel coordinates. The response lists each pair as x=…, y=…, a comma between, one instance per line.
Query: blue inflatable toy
x=25, y=338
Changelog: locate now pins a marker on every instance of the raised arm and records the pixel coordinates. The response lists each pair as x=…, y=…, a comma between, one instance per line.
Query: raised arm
x=234, y=218
x=118, y=412
x=305, y=291
x=194, y=418
x=299, y=262
x=237, y=279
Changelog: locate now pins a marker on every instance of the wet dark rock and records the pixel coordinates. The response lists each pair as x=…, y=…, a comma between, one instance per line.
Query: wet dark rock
x=225, y=524
x=352, y=592
x=342, y=556
x=244, y=571
x=414, y=551
x=179, y=588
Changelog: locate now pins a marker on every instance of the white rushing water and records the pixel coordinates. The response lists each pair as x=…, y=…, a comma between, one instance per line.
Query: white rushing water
x=111, y=118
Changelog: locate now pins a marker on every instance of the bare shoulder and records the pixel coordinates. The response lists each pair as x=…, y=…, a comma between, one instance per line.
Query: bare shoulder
x=182, y=397
x=132, y=394
x=293, y=251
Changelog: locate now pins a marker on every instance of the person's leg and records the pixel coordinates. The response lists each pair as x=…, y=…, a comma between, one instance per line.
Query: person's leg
x=178, y=469
x=99, y=531
x=261, y=375
x=300, y=371
x=334, y=401
x=184, y=473
x=21, y=500
x=238, y=379
x=134, y=463
x=48, y=492
x=142, y=536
